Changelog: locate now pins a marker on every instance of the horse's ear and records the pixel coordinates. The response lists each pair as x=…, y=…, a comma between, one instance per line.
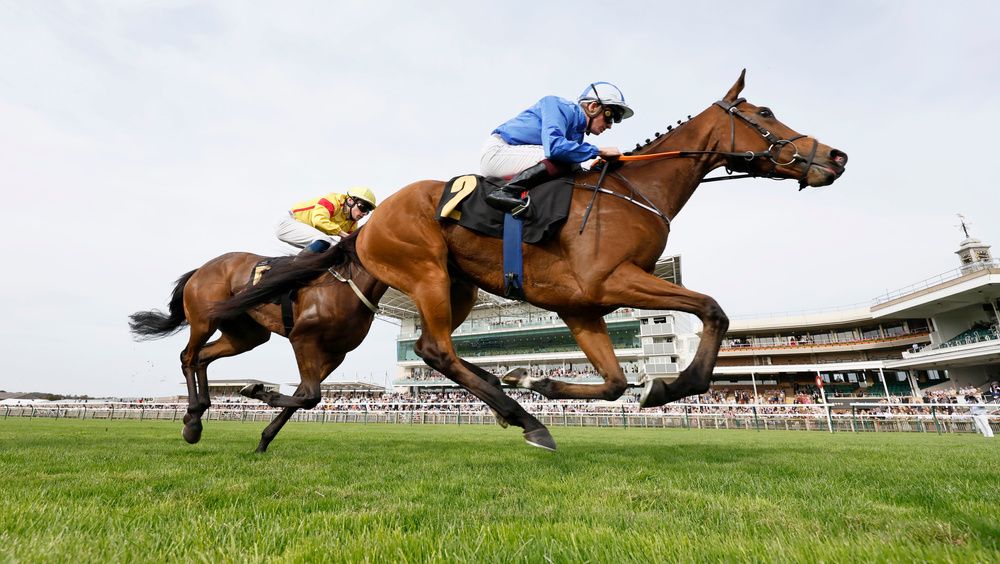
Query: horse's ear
x=734, y=92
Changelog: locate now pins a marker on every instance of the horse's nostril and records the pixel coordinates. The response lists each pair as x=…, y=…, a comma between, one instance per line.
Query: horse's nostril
x=839, y=157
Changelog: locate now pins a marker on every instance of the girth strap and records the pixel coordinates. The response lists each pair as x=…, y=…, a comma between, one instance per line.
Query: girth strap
x=287, y=316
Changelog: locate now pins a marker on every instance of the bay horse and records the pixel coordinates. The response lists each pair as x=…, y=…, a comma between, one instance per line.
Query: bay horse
x=329, y=320
x=585, y=274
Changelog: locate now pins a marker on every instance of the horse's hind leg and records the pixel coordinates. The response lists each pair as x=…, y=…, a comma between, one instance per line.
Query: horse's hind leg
x=197, y=386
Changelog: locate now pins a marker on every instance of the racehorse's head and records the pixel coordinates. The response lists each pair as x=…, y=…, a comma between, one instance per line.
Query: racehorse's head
x=769, y=148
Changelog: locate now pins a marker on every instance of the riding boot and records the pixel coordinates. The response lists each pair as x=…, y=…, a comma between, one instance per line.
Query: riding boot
x=316, y=247
x=508, y=196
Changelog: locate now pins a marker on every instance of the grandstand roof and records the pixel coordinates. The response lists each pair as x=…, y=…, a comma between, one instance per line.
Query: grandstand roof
x=351, y=387
x=398, y=305
x=246, y=381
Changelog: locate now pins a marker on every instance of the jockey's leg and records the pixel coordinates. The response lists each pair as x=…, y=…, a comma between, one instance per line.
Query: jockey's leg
x=508, y=196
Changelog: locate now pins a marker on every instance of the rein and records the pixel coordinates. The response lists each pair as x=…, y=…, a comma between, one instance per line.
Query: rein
x=773, y=153
x=773, y=150
x=374, y=308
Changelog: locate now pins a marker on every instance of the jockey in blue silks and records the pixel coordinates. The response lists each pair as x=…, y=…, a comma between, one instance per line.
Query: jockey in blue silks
x=547, y=140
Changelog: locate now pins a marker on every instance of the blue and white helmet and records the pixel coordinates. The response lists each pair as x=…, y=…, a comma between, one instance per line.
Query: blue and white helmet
x=608, y=94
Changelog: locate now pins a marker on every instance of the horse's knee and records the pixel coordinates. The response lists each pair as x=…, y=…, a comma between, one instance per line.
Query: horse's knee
x=698, y=388
x=311, y=402
x=431, y=353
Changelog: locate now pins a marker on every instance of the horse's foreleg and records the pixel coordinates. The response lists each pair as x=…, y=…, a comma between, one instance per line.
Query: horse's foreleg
x=631, y=286
x=306, y=397
x=591, y=333
x=314, y=366
x=272, y=429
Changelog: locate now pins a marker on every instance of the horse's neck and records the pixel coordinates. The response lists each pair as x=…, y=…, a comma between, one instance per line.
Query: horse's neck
x=671, y=182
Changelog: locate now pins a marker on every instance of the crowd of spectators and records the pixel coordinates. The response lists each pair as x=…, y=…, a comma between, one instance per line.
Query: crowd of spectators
x=733, y=401
x=425, y=374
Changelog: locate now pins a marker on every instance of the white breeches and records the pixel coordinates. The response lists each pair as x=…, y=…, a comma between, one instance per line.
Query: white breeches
x=299, y=234
x=502, y=160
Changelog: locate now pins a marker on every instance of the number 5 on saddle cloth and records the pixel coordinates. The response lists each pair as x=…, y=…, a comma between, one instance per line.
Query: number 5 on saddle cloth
x=464, y=201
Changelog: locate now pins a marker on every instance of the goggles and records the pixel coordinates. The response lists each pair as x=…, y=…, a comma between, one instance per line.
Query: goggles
x=363, y=206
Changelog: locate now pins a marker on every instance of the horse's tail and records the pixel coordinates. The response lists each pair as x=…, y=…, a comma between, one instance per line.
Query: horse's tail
x=153, y=324
x=284, y=278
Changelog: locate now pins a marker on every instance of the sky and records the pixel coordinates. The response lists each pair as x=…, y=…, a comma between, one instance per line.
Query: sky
x=139, y=140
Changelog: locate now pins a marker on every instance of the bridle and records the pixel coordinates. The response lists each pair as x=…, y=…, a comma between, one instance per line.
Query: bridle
x=773, y=150
x=736, y=160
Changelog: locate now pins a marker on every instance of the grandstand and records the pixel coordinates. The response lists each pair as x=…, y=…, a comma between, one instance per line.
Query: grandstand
x=938, y=334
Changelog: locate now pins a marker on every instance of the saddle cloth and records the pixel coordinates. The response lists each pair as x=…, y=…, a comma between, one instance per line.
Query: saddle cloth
x=464, y=201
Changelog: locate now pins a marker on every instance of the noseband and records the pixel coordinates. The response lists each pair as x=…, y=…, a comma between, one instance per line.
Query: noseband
x=773, y=150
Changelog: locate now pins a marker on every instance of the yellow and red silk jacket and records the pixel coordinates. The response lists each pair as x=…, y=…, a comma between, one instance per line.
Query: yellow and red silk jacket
x=326, y=214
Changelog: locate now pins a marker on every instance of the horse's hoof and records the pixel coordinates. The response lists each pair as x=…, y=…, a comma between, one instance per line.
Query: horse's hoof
x=251, y=390
x=261, y=449
x=654, y=394
x=500, y=420
x=514, y=376
x=540, y=438
x=192, y=432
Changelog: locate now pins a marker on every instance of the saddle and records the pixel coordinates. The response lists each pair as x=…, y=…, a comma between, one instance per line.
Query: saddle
x=464, y=201
x=285, y=300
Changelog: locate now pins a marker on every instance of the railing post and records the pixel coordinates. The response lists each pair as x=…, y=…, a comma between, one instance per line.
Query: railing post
x=624, y=420
x=687, y=425
x=756, y=420
x=854, y=419
x=936, y=424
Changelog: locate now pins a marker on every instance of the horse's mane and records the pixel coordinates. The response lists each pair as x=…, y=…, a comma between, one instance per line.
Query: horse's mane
x=644, y=147
x=290, y=275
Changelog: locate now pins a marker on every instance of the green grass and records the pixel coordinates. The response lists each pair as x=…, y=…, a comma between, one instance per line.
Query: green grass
x=128, y=490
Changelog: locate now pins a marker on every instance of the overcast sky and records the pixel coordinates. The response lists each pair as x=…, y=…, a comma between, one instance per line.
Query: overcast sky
x=138, y=140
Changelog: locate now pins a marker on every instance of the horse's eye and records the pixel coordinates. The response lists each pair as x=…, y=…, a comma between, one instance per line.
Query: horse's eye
x=765, y=113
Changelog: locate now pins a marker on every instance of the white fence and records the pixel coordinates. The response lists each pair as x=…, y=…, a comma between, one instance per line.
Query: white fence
x=856, y=417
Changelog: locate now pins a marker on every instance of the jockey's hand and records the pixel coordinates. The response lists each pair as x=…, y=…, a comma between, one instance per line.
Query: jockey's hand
x=608, y=153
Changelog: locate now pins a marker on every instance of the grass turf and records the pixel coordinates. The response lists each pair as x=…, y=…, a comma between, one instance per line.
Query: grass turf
x=130, y=490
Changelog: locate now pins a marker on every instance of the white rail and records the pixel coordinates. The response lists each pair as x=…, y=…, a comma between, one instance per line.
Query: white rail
x=857, y=417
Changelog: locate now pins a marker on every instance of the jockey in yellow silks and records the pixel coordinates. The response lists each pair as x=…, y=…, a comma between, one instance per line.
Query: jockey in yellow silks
x=316, y=224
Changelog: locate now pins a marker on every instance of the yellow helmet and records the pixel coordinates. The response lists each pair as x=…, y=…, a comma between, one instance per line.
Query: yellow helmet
x=363, y=193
